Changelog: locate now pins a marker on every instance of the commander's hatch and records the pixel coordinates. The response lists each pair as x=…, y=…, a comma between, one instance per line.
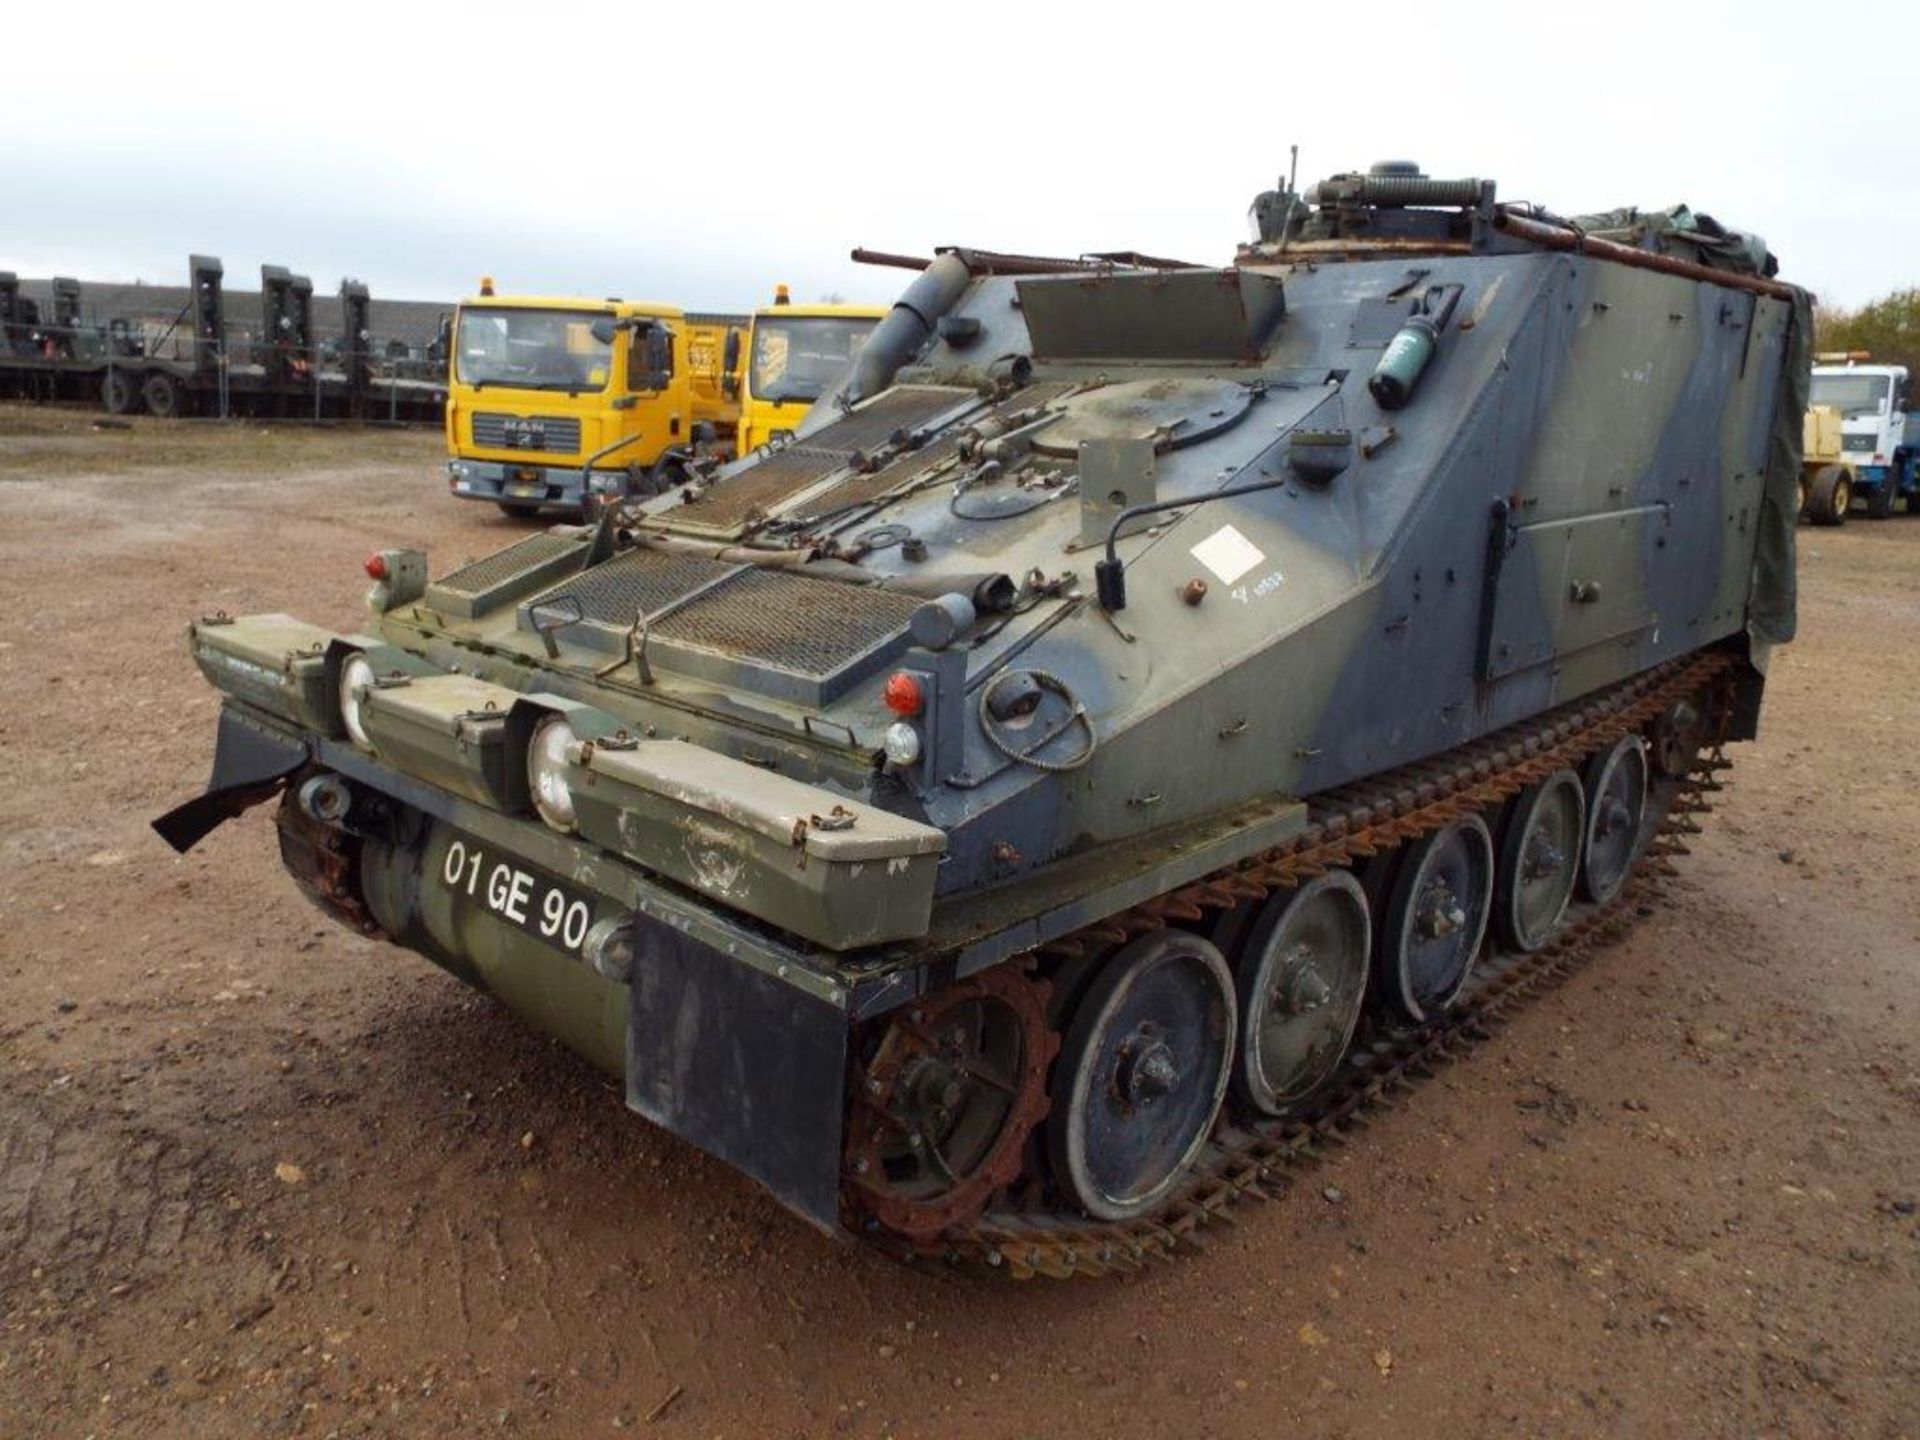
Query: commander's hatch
x=1223, y=316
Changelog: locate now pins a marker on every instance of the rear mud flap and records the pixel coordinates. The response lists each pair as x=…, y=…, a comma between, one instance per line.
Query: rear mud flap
x=249, y=763
x=749, y=1069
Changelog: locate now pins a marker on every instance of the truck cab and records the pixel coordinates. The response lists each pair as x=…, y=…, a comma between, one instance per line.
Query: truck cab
x=1872, y=402
x=794, y=353
x=554, y=401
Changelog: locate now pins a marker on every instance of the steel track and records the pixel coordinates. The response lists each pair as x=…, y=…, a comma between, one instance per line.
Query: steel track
x=1247, y=1161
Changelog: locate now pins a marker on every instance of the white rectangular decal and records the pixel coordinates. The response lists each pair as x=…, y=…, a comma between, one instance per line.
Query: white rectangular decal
x=1228, y=554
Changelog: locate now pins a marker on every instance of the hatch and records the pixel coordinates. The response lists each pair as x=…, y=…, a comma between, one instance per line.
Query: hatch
x=1169, y=412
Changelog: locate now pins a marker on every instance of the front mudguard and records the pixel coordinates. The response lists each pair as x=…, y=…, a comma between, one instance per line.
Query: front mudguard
x=250, y=763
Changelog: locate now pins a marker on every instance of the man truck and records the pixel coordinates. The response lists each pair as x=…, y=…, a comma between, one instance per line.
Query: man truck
x=559, y=403
x=795, y=352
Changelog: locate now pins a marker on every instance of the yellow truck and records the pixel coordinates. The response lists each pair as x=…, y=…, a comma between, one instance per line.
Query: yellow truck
x=794, y=352
x=553, y=402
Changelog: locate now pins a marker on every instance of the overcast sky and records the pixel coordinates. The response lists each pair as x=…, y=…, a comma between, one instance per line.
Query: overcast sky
x=699, y=153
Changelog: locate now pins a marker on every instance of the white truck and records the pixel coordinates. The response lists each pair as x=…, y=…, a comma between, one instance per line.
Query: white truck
x=1879, y=459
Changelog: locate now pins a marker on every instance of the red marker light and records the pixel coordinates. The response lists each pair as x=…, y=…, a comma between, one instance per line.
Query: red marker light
x=377, y=565
x=904, y=695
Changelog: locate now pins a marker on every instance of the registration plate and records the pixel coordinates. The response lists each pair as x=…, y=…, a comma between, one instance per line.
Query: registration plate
x=546, y=908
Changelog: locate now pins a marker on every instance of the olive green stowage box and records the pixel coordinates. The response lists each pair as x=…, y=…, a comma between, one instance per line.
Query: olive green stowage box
x=824, y=866
x=273, y=661
x=449, y=730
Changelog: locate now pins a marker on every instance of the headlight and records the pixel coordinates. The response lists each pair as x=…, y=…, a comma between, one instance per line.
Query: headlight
x=547, y=772
x=355, y=675
x=902, y=743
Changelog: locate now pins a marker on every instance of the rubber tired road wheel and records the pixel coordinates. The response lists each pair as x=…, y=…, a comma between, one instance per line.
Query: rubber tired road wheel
x=118, y=394
x=1436, y=916
x=1880, y=500
x=1539, y=861
x=163, y=395
x=1302, y=978
x=1141, y=1074
x=1830, y=496
x=1616, y=783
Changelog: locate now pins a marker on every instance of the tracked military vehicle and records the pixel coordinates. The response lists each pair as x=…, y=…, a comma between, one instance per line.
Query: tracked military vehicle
x=1144, y=711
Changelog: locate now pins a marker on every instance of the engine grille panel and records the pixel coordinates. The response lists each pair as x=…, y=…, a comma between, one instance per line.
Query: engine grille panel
x=489, y=581
x=860, y=489
x=732, y=503
x=552, y=434
x=905, y=407
x=613, y=593
x=788, y=622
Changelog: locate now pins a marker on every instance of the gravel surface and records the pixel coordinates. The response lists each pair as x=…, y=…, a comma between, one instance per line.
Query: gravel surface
x=259, y=1177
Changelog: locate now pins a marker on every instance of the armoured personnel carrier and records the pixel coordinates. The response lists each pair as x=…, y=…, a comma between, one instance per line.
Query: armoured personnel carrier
x=1140, y=713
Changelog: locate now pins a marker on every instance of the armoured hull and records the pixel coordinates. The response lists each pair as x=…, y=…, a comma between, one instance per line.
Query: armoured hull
x=933, y=815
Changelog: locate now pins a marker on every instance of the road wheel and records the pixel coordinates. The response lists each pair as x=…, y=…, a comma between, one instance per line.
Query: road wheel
x=1435, y=918
x=1830, y=496
x=1913, y=500
x=164, y=395
x=118, y=394
x=1880, y=500
x=518, y=509
x=1539, y=859
x=1141, y=1074
x=1616, y=783
x=1803, y=486
x=1302, y=979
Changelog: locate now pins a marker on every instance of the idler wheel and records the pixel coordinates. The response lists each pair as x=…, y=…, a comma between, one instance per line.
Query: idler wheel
x=1436, y=915
x=1142, y=1072
x=1539, y=860
x=1616, y=781
x=945, y=1101
x=1302, y=977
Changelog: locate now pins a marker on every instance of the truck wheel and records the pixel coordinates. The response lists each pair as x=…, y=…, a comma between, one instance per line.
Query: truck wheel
x=1880, y=500
x=1804, y=490
x=118, y=393
x=164, y=395
x=518, y=509
x=1829, y=496
x=1913, y=501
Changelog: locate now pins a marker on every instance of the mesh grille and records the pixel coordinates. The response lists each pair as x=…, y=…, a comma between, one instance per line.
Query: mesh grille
x=859, y=489
x=762, y=488
x=902, y=408
x=788, y=622
x=504, y=565
x=734, y=499
x=616, y=591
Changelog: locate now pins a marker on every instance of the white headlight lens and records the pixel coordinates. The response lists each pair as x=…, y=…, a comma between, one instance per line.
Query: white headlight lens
x=355, y=675
x=547, y=772
x=902, y=743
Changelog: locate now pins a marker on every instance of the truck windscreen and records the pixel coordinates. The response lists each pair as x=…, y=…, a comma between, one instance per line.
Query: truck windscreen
x=798, y=357
x=531, y=349
x=1851, y=395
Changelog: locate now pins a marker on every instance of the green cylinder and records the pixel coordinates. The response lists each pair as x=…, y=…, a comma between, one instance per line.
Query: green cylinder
x=1405, y=358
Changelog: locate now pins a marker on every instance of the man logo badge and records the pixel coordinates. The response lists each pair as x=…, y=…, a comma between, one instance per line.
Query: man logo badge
x=526, y=434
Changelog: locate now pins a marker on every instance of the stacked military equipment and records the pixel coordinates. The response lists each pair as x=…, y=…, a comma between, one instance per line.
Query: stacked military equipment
x=1005, y=818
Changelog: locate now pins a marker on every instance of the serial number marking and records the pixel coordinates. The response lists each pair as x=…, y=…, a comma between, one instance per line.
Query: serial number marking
x=510, y=892
x=1260, y=589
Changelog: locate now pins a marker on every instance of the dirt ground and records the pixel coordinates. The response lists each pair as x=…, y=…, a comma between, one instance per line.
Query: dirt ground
x=259, y=1177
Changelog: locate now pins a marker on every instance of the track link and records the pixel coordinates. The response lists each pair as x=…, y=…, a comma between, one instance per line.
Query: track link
x=1246, y=1161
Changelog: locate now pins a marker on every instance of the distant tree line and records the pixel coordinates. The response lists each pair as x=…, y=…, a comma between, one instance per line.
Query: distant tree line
x=1889, y=329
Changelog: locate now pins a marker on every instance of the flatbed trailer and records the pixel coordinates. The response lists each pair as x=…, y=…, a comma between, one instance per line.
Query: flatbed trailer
x=192, y=368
